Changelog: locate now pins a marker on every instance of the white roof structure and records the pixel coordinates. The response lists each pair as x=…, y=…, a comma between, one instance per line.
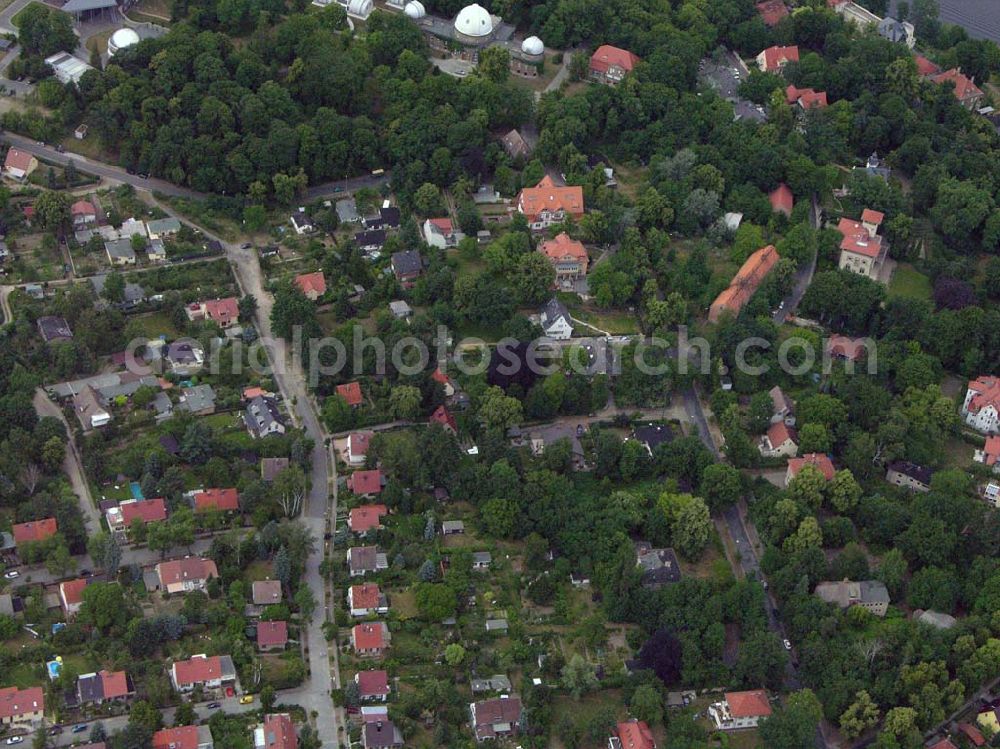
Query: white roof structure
x=121, y=39
x=474, y=20
x=415, y=9
x=68, y=69
x=360, y=8
x=532, y=46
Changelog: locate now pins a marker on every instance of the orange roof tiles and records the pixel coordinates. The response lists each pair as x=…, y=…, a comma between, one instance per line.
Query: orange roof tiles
x=366, y=517
x=368, y=636
x=857, y=239
x=365, y=482
x=190, y=568
x=775, y=57
x=546, y=196
x=779, y=433
x=748, y=704
x=16, y=159
x=563, y=247
x=819, y=460
x=16, y=702
x=443, y=417
x=366, y=596
x=782, y=199
x=279, y=732
x=607, y=56
x=987, y=393
x=311, y=283
x=772, y=11
x=114, y=684
x=226, y=500
x=272, y=634
x=745, y=283
x=198, y=670
x=964, y=87
x=635, y=734
x=181, y=737
x=72, y=590
x=146, y=510
x=350, y=392
x=222, y=311
x=34, y=530
x=925, y=67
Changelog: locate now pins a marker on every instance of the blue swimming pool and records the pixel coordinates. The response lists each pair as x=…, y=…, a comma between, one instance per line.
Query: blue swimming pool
x=136, y=490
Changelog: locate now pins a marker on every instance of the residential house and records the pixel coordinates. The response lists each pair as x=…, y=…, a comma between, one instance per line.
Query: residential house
x=862, y=250
x=780, y=441
x=555, y=320
x=357, y=447
x=783, y=407
x=407, y=266
x=773, y=59
x=568, y=257
x=184, y=357
x=441, y=233
x=981, y=407
x=365, y=483
x=185, y=575
x=54, y=329
x=121, y=518
x=19, y=164
x=351, y=393
x=925, y=67
x=272, y=635
x=313, y=285
x=209, y=672
x=991, y=493
x=444, y=381
x=969, y=95
x=740, y=710
x=805, y=98
x=216, y=500
x=496, y=718
x=347, y=211
x=366, y=518
x=381, y=734
x=856, y=14
x=400, y=309
x=609, y=65
x=990, y=453
x=366, y=599
x=876, y=167
x=120, y=251
x=659, y=566
x=652, y=436
x=871, y=595
x=271, y=467
x=516, y=146
x=909, y=475
x=632, y=734
x=198, y=400
x=223, y=312
x=496, y=683
x=301, y=221
x=898, y=32
x=452, y=527
x=370, y=242
x=71, y=595
x=83, y=213
x=90, y=409
x=546, y=203
x=973, y=734
x=481, y=560
x=104, y=686
x=443, y=417
x=262, y=417
x=184, y=737
x=266, y=592
x=18, y=706
x=772, y=11
x=744, y=284
x=133, y=294
x=163, y=227
x=370, y=639
x=34, y=531
x=782, y=200
x=820, y=461
x=276, y=732
x=373, y=686
x=388, y=217
x=364, y=559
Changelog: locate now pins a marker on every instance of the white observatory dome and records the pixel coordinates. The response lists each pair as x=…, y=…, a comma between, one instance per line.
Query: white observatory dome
x=360, y=8
x=415, y=9
x=121, y=39
x=532, y=46
x=474, y=20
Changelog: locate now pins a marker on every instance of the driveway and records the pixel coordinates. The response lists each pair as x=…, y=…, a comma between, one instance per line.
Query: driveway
x=72, y=464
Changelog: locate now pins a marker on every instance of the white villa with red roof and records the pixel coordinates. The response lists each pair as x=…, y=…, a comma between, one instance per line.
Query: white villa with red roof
x=373, y=686
x=740, y=710
x=223, y=312
x=441, y=233
x=775, y=58
x=981, y=407
x=780, y=441
x=201, y=670
x=609, y=65
x=862, y=250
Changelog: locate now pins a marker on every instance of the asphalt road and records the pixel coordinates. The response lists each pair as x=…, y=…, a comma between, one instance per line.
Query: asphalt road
x=803, y=276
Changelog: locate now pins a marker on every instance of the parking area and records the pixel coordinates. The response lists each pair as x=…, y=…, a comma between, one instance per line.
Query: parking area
x=725, y=76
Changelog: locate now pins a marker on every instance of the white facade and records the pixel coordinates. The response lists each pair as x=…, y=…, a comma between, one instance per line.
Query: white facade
x=560, y=329
x=985, y=420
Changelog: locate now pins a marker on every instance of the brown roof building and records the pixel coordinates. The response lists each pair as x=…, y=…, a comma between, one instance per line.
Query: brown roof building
x=744, y=284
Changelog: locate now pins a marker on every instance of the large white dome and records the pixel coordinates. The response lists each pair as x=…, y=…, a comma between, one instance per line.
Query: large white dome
x=474, y=20
x=121, y=39
x=415, y=9
x=532, y=46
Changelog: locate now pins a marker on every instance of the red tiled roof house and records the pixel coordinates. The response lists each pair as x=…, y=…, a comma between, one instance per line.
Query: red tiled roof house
x=366, y=518
x=546, y=203
x=609, y=65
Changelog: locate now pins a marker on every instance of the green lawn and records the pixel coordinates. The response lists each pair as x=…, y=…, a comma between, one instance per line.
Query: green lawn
x=22, y=676
x=156, y=324
x=909, y=282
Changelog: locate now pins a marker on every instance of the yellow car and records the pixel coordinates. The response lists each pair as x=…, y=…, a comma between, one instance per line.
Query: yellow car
x=246, y=699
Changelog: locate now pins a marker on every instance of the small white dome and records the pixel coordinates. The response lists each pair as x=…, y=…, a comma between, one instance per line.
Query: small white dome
x=121, y=39
x=360, y=8
x=474, y=20
x=415, y=9
x=532, y=46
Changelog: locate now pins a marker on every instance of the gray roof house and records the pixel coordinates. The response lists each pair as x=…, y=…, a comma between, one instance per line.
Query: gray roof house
x=869, y=594
x=496, y=683
x=162, y=227
x=162, y=407
x=496, y=625
x=400, y=309
x=347, y=211
x=263, y=418
x=900, y=32
x=134, y=293
x=198, y=400
x=120, y=251
x=555, y=320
